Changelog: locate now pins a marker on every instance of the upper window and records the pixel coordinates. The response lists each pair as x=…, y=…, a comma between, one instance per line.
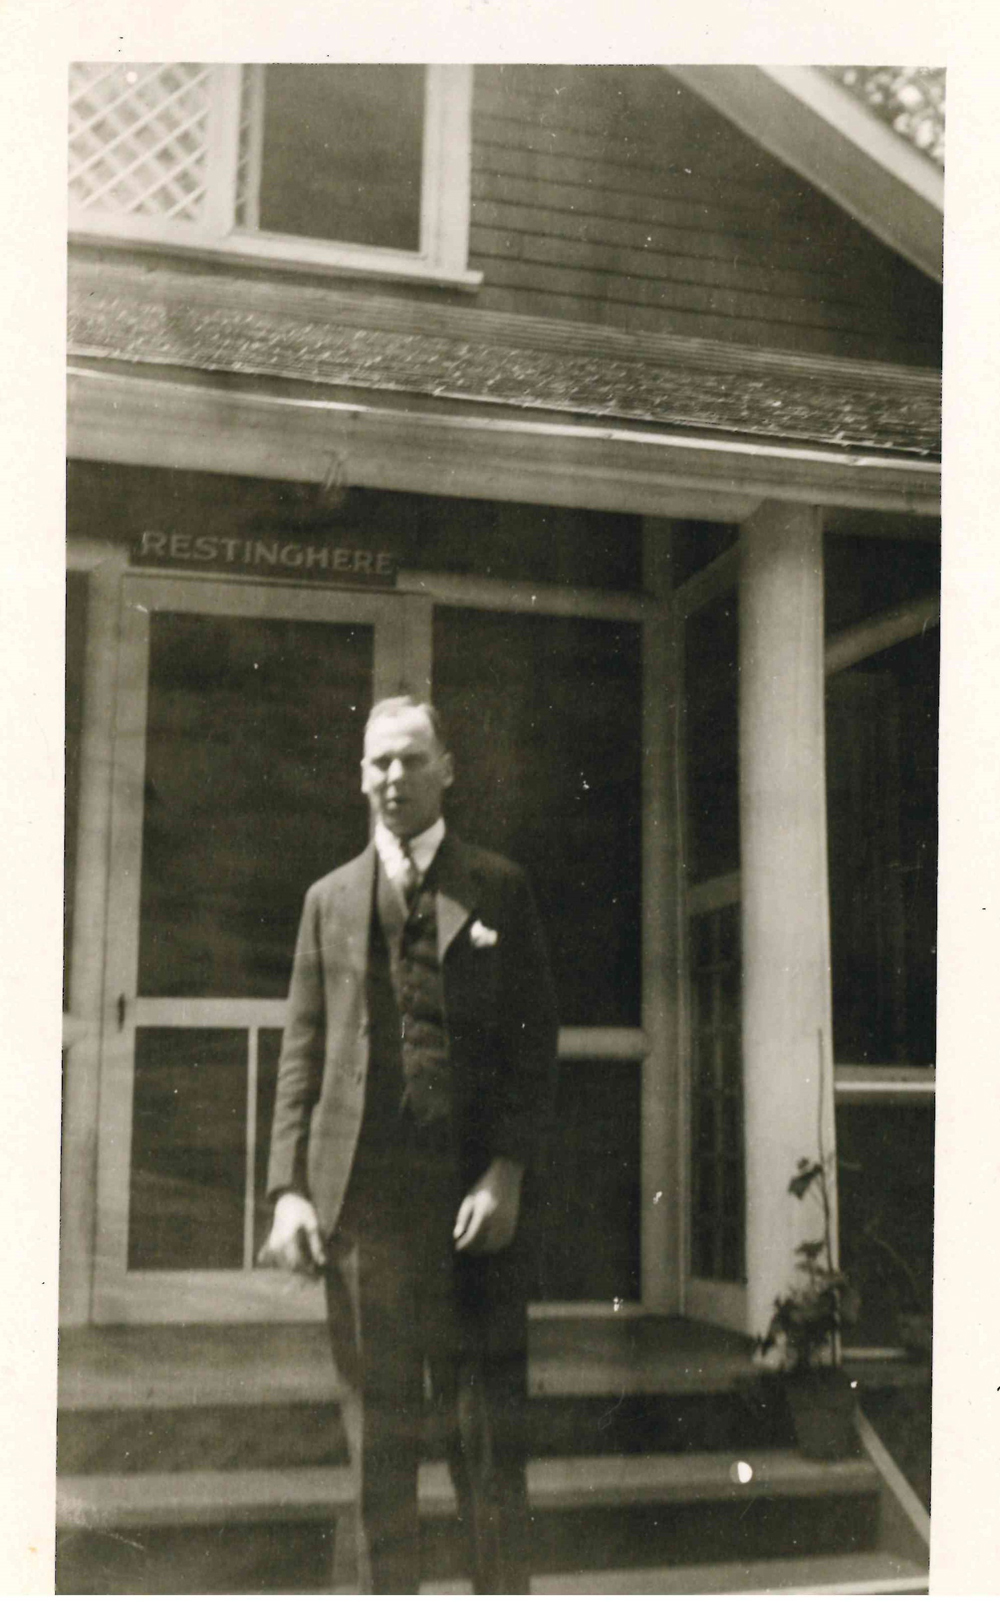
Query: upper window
x=365, y=167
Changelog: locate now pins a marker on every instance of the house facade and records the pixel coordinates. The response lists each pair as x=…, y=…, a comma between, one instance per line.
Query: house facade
x=602, y=406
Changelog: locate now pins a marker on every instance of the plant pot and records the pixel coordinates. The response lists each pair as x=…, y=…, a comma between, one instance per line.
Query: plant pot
x=822, y=1403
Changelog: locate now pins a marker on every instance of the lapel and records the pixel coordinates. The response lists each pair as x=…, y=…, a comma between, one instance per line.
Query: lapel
x=457, y=894
x=353, y=908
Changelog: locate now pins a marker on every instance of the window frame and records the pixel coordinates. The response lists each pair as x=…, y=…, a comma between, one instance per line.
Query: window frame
x=874, y=1083
x=444, y=203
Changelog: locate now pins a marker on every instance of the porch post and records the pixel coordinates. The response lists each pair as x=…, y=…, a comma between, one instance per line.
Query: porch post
x=786, y=945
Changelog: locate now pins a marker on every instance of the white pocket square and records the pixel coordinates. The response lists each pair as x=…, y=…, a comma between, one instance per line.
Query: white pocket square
x=481, y=936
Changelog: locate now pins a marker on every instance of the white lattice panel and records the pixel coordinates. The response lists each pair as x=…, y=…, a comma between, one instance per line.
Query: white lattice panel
x=139, y=138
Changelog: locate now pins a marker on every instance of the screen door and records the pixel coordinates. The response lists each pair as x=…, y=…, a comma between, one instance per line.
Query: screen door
x=238, y=742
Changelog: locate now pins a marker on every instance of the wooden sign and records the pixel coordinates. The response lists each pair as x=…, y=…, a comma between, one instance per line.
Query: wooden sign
x=317, y=559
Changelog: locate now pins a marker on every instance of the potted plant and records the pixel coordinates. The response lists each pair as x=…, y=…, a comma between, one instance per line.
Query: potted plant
x=803, y=1339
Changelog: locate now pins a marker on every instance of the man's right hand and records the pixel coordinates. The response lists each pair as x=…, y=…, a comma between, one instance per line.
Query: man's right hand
x=294, y=1242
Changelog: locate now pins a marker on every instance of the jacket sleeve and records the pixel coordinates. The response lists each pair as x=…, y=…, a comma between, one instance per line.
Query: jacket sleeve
x=300, y=1067
x=532, y=1026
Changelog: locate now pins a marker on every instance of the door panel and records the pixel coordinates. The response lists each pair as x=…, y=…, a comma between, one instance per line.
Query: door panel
x=544, y=710
x=236, y=784
x=545, y=713
x=186, y=1196
x=590, y=1226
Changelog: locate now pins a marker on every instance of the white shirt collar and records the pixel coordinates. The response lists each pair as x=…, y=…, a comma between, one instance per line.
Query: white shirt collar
x=423, y=848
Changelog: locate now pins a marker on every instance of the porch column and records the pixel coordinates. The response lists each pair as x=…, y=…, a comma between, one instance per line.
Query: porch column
x=786, y=944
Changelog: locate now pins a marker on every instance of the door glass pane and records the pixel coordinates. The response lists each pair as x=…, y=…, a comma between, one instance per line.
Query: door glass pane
x=882, y=779
x=545, y=720
x=712, y=739
x=590, y=1220
x=717, y=1161
x=252, y=791
x=342, y=153
x=188, y=1149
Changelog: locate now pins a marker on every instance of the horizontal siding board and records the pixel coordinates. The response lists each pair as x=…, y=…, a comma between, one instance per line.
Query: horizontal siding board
x=646, y=186
x=652, y=280
x=675, y=319
x=648, y=102
x=608, y=216
x=644, y=166
x=628, y=288
x=544, y=108
x=764, y=215
x=513, y=232
x=610, y=208
x=706, y=230
x=616, y=195
x=665, y=138
x=629, y=317
x=534, y=78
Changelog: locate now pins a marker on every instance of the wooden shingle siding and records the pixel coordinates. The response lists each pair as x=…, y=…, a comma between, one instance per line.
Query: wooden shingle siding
x=698, y=228
x=615, y=196
x=697, y=254
x=696, y=283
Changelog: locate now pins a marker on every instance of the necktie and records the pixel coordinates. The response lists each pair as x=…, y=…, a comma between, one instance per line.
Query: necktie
x=409, y=876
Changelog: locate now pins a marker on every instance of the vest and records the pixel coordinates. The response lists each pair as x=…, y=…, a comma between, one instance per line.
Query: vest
x=409, y=1065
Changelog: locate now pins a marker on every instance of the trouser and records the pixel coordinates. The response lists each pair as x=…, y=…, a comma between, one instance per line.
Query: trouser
x=425, y=1349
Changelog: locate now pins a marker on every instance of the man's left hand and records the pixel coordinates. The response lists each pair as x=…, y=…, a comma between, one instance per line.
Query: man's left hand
x=487, y=1218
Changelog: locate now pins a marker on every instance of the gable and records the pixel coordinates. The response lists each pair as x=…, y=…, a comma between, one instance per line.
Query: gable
x=619, y=197
x=870, y=138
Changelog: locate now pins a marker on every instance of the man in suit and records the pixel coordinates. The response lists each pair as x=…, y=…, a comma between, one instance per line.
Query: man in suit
x=414, y=1088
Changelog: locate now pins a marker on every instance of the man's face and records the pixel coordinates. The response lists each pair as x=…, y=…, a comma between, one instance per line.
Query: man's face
x=404, y=772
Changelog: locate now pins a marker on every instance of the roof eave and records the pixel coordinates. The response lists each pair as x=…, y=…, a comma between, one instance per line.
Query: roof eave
x=137, y=417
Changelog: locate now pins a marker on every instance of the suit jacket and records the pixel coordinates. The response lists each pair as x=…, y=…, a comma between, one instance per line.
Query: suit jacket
x=499, y=1008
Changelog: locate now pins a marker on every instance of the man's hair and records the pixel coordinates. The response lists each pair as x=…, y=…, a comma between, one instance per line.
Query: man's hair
x=389, y=707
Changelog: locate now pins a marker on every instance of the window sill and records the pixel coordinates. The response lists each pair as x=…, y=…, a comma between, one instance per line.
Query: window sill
x=286, y=253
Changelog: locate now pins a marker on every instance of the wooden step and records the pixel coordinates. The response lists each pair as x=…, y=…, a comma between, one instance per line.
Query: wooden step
x=218, y=1532
x=158, y=1499
x=216, y=1437
x=273, y=1437
x=867, y=1573
x=143, y=1367
x=144, y=1399
x=213, y=1460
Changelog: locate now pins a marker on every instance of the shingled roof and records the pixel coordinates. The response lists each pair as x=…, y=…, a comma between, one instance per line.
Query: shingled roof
x=330, y=339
